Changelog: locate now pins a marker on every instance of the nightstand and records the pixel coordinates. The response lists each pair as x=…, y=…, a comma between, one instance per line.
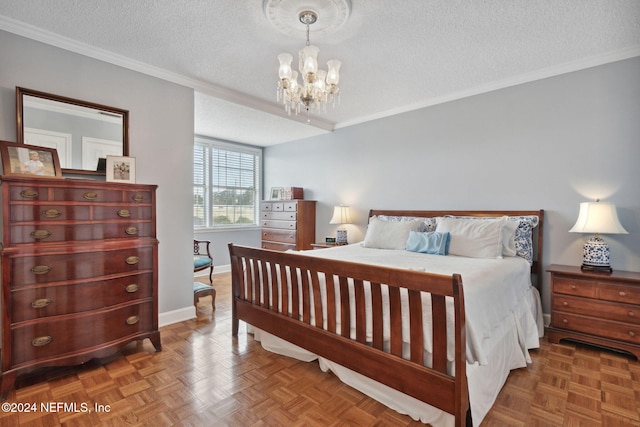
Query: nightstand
x=595, y=308
x=323, y=245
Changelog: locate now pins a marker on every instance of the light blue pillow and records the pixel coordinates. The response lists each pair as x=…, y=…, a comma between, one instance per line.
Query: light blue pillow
x=430, y=242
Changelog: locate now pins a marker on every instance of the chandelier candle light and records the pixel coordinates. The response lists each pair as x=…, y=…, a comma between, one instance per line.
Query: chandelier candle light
x=318, y=87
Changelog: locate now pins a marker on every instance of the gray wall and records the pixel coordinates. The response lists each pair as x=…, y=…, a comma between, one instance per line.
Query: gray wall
x=549, y=144
x=161, y=138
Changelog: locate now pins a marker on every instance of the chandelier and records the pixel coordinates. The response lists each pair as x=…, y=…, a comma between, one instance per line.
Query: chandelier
x=317, y=87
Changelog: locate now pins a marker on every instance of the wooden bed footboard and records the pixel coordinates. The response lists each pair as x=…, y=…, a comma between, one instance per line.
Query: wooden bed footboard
x=265, y=282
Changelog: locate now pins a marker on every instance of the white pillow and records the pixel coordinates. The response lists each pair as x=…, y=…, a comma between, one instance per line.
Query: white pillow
x=509, y=236
x=389, y=234
x=474, y=239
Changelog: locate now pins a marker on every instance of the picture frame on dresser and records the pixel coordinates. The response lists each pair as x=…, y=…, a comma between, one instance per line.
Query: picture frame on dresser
x=121, y=169
x=276, y=193
x=29, y=160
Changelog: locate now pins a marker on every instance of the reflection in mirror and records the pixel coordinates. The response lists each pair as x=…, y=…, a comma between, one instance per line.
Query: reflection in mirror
x=81, y=132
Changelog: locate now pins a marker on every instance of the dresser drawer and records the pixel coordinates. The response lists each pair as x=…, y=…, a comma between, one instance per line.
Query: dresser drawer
x=594, y=308
x=121, y=212
x=61, y=233
x=278, y=246
x=61, y=335
x=571, y=286
x=283, y=216
x=33, y=303
x=619, y=293
x=40, y=212
x=77, y=194
x=283, y=236
x=29, y=270
x=599, y=327
x=270, y=223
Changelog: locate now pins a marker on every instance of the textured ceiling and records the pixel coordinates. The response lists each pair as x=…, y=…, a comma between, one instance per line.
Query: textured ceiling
x=396, y=55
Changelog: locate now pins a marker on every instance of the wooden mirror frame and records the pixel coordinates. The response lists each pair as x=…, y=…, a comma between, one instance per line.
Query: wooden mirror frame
x=20, y=92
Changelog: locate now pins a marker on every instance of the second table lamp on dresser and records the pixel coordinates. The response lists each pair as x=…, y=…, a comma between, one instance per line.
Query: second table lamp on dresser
x=341, y=215
x=597, y=218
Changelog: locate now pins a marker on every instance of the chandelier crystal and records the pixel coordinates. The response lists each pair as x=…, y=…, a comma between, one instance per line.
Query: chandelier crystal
x=317, y=87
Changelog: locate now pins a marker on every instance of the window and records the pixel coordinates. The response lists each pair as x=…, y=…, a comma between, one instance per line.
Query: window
x=226, y=184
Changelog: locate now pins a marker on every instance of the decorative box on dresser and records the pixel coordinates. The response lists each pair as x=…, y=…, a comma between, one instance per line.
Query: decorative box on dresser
x=595, y=308
x=288, y=224
x=79, y=271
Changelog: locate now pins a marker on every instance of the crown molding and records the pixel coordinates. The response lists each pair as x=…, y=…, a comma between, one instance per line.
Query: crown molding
x=38, y=34
x=544, y=73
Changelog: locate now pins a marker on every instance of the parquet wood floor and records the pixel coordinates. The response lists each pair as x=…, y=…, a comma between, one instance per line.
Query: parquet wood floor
x=203, y=377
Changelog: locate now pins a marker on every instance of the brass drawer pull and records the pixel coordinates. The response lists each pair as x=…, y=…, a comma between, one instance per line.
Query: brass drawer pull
x=124, y=213
x=132, y=288
x=131, y=260
x=41, y=303
x=131, y=231
x=40, y=269
x=137, y=197
x=51, y=213
x=565, y=321
x=632, y=314
x=574, y=287
x=90, y=195
x=622, y=293
x=132, y=320
x=564, y=303
x=29, y=194
x=41, y=341
x=40, y=234
x=632, y=334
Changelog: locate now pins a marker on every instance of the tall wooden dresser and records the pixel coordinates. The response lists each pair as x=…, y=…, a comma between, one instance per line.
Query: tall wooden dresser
x=79, y=271
x=288, y=224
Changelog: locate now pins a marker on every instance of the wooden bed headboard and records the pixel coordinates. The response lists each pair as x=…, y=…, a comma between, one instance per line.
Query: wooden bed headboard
x=536, y=267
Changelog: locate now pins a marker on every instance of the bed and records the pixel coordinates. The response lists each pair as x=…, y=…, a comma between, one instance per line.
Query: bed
x=431, y=336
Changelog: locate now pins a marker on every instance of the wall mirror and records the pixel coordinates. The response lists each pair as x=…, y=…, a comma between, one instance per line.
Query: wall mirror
x=81, y=132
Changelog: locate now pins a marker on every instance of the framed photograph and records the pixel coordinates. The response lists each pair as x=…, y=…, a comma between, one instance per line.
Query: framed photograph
x=29, y=160
x=276, y=193
x=121, y=169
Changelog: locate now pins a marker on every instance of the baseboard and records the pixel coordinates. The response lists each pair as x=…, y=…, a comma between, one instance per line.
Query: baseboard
x=176, y=316
x=218, y=269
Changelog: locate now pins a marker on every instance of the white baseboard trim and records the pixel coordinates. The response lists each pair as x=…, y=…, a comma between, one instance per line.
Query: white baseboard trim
x=188, y=313
x=218, y=269
x=176, y=316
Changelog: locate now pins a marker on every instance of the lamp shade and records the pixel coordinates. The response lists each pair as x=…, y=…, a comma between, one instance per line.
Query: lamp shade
x=341, y=215
x=598, y=217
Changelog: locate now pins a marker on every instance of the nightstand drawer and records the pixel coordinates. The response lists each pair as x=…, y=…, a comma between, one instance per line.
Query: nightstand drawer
x=619, y=293
x=601, y=309
x=603, y=328
x=571, y=286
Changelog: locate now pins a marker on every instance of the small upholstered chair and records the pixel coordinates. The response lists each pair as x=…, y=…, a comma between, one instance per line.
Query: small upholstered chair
x=202, y=290
x=202, y=257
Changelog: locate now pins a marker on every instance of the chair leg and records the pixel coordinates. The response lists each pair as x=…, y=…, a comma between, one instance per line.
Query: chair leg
x=211, y=274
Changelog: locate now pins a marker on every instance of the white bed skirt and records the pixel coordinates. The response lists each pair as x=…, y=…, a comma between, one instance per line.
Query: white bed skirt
x=509, y=350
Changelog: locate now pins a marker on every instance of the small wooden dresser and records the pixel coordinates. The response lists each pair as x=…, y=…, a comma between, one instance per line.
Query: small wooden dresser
x=288, y=224
x=79, y=271
x=596, y=308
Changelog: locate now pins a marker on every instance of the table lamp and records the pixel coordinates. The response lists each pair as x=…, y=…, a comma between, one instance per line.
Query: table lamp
x=341, y=216
x=599, y=218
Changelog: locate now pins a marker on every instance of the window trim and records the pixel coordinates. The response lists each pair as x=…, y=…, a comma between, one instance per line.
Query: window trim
x=239, y=148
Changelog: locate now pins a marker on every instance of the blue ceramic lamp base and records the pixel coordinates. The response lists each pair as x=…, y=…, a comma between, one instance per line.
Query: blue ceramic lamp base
x=595, y=255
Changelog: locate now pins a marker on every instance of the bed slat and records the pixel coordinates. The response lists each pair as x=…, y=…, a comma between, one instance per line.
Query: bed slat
x=260, y=277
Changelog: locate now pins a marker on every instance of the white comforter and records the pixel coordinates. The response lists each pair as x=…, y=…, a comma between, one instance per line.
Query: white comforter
x=493, y=289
